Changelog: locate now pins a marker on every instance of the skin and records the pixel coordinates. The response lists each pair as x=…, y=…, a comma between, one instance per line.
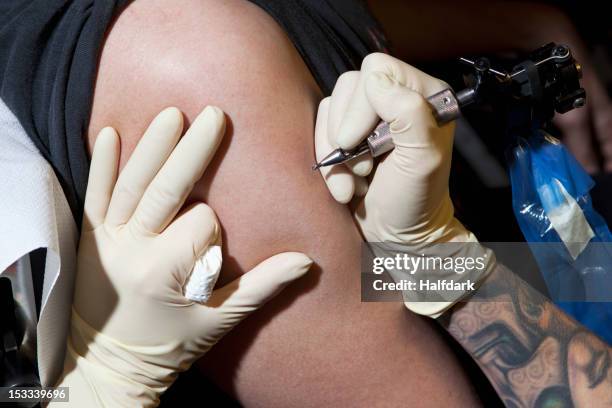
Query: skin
x=316, y=343
x=533, y=354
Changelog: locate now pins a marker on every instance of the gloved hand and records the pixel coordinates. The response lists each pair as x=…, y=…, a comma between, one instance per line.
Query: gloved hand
x=407, y=201
x=132, y=329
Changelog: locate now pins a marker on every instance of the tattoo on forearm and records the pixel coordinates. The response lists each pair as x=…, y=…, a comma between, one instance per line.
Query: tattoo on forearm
x=533, y=354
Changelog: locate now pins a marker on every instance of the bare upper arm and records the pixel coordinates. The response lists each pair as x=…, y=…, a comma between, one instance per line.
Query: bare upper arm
x=316, y=343
x=215, y=56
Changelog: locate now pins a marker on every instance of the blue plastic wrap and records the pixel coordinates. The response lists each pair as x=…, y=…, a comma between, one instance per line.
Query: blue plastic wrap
x=578, y=276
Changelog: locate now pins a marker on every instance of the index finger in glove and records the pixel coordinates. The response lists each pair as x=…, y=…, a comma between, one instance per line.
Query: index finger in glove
x=360, y=118
x=339, y=179
x=339, y=101
x=102, y=178
x=405, y=110
x=185, y=166
x=148, y=157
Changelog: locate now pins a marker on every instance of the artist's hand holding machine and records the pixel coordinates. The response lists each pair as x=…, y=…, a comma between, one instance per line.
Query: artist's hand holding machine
x=531, y=352
x=133, y=329
x=407, y=201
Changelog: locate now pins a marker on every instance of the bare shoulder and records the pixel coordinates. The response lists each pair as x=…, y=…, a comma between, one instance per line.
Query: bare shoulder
x=192, y=53
x=231, y=54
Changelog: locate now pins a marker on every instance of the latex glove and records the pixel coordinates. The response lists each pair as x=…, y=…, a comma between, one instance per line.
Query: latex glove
x=407, y=201
x=408, y=198
x=132, y=329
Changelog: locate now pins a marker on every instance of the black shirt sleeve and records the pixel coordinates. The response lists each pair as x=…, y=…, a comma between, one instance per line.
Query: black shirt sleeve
x=48, y=59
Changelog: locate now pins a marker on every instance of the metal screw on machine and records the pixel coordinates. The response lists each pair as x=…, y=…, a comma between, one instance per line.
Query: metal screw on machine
x=579, y=102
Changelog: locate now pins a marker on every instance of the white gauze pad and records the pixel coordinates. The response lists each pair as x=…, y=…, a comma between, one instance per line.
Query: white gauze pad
x=204, y=275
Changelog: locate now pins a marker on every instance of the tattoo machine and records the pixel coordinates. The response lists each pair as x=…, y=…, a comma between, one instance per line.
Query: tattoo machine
x=545, y=82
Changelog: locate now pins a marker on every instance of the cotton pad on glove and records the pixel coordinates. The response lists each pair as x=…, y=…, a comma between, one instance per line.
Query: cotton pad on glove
x=407, y=202
x=132, y=328
x=204, y=274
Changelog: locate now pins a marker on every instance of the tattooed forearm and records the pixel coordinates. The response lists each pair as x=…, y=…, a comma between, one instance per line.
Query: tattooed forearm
x=533, y=354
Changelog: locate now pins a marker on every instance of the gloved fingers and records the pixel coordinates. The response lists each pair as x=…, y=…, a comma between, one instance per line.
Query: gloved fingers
x=339, y=101
x=401, y=107
x=407, y=75
x=237, y=299
x=148, y=157
x=167, y=192
x=339, y=179
x=102, y=177
x=411, y=123
x=187, y=237
x=362, y=165
x=422, y=151
x=359, y=118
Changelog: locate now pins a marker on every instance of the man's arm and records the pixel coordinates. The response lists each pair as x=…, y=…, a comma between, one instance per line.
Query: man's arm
x=533, y=353
x=315, y=344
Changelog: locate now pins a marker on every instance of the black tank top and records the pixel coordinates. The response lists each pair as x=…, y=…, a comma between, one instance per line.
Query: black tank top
x=49, y=53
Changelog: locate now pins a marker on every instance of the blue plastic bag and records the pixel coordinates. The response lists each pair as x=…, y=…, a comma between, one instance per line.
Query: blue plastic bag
x=552, y=204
